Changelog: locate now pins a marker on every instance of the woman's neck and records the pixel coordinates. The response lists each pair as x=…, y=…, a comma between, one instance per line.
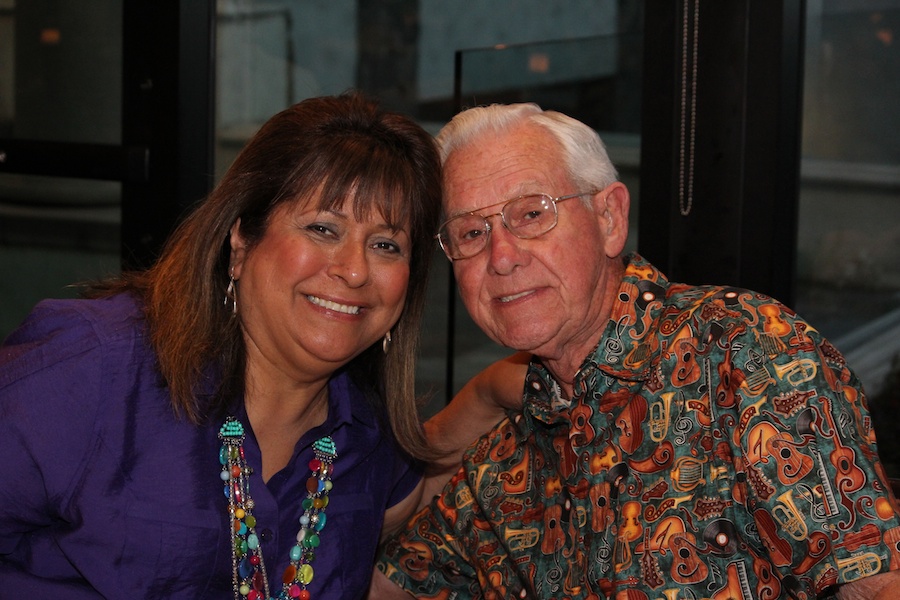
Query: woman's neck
x=279, y=418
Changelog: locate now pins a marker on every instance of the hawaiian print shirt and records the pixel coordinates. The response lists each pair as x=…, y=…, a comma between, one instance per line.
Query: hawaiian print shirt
x=716, y=447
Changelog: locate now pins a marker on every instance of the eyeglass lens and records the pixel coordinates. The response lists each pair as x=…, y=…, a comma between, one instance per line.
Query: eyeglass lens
x=525, y=217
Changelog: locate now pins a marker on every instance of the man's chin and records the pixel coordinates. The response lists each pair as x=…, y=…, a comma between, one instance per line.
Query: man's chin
x=522, y=342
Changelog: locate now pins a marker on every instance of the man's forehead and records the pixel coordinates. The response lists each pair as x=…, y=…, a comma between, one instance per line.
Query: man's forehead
x=462, y=200
x=470, y=191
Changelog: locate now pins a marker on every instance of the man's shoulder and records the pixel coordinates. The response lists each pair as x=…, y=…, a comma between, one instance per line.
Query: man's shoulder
x=646, y=290
x=724, y=303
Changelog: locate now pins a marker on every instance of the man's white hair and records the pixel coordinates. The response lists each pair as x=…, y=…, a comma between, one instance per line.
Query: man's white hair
x=587, y=162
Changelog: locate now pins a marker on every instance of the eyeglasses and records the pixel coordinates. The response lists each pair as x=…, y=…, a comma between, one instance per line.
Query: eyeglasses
x=526, y=217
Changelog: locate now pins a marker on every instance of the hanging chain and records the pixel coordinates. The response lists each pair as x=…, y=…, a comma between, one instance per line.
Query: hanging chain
x=686, y=197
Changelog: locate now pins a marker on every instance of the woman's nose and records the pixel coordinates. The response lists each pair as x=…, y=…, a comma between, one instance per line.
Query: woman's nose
x=350, y=263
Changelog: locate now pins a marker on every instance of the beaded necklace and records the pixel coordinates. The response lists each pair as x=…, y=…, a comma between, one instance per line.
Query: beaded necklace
x=250, y=581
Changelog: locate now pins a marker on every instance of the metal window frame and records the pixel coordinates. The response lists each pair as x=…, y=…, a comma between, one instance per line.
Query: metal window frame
x=165, y=160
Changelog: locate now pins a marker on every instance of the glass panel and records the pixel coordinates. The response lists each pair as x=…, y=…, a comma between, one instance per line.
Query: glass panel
x=53, y=232
x=60, y=81
x=597, y=81
x=275, y=52
x=61, y=70
x=849, y=236
x=254, y=78
x=7, y=70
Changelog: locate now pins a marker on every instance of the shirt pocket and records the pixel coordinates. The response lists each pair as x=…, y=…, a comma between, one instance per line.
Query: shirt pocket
x=180, y=552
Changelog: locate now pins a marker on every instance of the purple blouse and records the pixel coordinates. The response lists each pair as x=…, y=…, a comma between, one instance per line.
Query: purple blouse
x=106, y=494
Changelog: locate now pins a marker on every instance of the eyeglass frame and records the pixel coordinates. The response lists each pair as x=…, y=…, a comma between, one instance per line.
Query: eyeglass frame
x=489, y=228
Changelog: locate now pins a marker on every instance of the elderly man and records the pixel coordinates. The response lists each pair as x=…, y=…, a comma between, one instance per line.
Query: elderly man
x=675, y=442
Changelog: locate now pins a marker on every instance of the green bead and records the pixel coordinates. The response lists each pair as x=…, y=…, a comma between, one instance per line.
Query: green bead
x=305, y=574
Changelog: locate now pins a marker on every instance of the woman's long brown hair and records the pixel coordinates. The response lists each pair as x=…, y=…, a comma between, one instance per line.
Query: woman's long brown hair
x=328, y=150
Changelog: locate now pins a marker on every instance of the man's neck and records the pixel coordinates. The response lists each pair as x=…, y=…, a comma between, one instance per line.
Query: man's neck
x=567, y=362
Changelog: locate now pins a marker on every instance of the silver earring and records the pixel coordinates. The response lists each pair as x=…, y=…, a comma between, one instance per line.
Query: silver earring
x=386, y=342
x=231, y=293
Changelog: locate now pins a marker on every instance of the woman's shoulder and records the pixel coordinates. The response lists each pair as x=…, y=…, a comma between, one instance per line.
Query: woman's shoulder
x=102, y=315
x=62, y=330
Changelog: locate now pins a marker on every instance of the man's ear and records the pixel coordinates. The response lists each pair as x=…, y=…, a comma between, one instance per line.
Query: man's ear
x=612, y=205
x=238, y=250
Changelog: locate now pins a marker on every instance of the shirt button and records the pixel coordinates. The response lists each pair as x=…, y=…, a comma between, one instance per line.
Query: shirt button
x=265, y=535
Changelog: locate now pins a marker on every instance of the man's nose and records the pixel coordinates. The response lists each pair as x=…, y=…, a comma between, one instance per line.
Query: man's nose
x=506, y=252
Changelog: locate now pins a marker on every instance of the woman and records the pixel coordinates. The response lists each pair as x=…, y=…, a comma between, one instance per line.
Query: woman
x=239, y=419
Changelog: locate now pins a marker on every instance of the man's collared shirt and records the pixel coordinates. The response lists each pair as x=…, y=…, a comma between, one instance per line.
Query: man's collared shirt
x=716, y=446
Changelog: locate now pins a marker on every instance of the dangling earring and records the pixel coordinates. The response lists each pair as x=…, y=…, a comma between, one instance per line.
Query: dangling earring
x=231, y=293
x=386, y=342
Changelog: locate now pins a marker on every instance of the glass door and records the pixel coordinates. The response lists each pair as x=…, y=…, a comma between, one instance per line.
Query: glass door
x=849, y=235
x=105, y=138
x=60, y=131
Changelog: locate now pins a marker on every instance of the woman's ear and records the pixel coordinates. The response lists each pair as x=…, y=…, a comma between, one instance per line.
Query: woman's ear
x=238, y=250
x=612, y=205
